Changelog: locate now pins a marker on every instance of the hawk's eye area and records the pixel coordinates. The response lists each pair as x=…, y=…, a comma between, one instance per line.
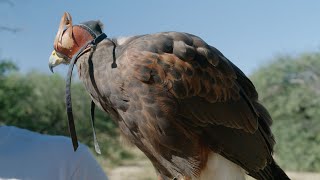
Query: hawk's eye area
x=60, y=55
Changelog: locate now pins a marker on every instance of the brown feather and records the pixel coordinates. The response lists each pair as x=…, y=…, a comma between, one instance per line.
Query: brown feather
x=177, y=98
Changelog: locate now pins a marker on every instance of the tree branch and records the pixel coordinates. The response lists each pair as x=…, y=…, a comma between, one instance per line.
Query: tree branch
x=13, y=30
x=7, y=2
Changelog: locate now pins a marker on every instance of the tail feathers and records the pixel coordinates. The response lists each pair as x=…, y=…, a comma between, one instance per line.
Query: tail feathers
x=277, y=172
x=271, y=172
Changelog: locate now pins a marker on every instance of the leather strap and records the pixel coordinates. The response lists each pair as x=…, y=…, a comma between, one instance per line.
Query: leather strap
x=95, y=140
x=72, y=129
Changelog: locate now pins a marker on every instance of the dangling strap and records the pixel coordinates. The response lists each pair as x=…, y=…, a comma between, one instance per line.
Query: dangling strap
x=72, y=128
x=95, y=140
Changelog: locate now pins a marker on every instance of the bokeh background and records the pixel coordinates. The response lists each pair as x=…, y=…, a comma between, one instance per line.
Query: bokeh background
x=275, y=43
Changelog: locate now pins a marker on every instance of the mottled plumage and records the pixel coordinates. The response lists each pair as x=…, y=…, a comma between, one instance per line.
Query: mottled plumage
x=178, y=100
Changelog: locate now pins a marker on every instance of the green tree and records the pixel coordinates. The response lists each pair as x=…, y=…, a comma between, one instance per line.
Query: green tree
x=12, y=88
x=290, y=89
x=35, y=101
x=6, y=67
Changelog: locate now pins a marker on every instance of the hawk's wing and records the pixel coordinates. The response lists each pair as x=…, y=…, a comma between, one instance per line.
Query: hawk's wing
x=214, y=98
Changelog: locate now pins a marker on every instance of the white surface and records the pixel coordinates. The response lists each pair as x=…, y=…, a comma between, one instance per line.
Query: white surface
x=220, y=168
x=25, y=155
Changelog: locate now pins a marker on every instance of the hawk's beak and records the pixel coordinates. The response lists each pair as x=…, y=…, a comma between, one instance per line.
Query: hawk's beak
x=54, y=60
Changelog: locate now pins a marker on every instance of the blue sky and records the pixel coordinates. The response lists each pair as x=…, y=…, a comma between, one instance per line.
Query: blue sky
x=249, y=32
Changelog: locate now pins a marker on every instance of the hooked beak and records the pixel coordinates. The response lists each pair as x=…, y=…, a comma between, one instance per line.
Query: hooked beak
x=54, y=60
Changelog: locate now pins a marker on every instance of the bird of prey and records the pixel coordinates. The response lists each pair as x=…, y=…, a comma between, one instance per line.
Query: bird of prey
x=188, y=108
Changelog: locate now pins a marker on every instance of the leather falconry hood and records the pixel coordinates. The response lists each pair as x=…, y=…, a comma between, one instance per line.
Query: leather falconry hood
x=70, y=38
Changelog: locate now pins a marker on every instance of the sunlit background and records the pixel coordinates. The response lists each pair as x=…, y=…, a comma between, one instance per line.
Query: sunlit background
x=276, y=43
x=248, y=32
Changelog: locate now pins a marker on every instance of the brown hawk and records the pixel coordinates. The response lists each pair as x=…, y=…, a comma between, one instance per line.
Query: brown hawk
x=189, y=109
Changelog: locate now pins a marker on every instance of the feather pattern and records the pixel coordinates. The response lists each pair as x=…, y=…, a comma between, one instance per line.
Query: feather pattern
x=178, y=99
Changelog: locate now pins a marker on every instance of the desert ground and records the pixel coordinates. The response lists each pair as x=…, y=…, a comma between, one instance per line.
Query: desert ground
x=142, y=169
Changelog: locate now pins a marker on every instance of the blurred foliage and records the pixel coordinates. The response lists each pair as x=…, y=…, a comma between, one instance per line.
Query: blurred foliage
x=290, y=89
x=35, y=101
x=7, y=66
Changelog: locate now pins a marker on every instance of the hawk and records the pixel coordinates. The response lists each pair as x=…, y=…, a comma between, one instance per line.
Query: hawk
x=188, y=108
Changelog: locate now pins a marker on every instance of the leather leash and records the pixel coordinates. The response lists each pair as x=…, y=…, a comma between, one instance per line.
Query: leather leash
x=72, y=129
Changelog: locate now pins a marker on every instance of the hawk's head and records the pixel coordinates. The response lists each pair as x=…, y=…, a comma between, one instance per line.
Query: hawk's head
x=70, y=38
